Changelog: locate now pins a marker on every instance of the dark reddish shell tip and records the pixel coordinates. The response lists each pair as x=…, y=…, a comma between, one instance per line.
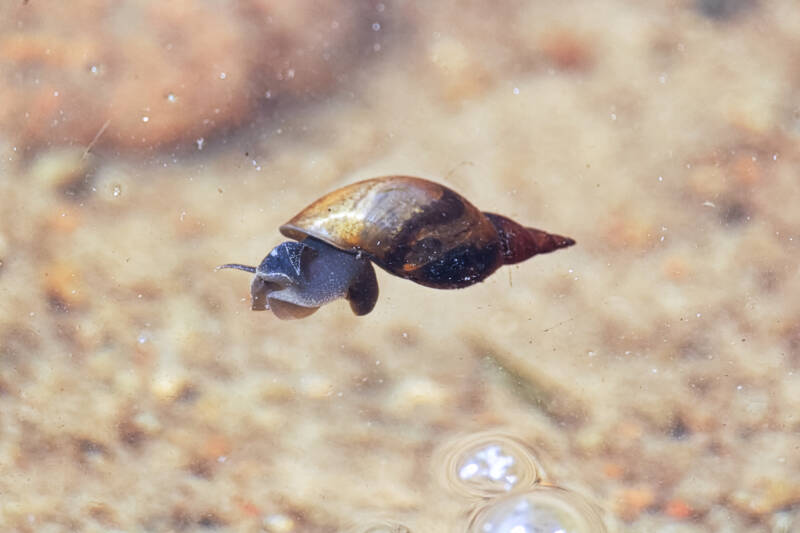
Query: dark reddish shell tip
x=520, y=243
x=558, y=241
x=534, y=241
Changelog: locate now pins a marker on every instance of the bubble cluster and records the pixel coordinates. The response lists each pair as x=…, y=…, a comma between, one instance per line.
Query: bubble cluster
x=488, y=464
x=508, y=490
x=514, y=494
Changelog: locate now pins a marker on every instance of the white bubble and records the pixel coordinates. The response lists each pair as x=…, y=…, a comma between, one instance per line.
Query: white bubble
x=487, y=464
x=539, y=510
x=491, y=463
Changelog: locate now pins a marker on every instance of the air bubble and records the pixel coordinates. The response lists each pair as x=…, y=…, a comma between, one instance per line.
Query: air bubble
x=488, y=464
x=539, y=510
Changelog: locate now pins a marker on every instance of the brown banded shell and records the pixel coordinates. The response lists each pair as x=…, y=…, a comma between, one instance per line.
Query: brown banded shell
x=419, y=230
x=413, y=228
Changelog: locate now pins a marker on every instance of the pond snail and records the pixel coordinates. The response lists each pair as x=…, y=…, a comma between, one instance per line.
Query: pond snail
x=411, y=227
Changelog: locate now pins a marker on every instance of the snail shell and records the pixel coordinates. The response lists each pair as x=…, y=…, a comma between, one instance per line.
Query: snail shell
x=413, y=228
x=419, y=230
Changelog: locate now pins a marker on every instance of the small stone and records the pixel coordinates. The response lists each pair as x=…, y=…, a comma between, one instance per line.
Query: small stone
x=278, y=523
x=316, y=386
x=59, y=169
x=147, y=422
x=415, y=392
x=630, y=503
x=566, y=50
x=3, y=248
x=766, y=496
x=168, y=386
x=460, y=76
x=63, y=286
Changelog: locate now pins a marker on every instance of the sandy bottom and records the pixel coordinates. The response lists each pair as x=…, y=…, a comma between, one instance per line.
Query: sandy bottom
x=653, y=368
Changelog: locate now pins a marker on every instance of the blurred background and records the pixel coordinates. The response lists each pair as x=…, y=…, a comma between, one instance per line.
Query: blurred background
x=653, y=369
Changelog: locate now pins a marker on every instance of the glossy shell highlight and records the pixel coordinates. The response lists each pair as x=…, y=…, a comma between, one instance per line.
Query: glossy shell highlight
x=413, y=228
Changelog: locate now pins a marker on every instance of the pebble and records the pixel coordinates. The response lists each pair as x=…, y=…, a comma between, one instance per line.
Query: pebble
x=767, y=496
x=457, y=69
x=167, y=386
x=62, y=283
x=631, y=502
x=316, y=386
x=567, y=50
x=171, y=73
x=278, y=523
x=59, y=168
x=413, y=392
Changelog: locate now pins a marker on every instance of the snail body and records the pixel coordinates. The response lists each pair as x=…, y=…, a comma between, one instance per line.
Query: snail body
x=410, y=227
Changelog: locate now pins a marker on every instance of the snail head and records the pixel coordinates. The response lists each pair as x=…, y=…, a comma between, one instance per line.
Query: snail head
x=296, y=278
